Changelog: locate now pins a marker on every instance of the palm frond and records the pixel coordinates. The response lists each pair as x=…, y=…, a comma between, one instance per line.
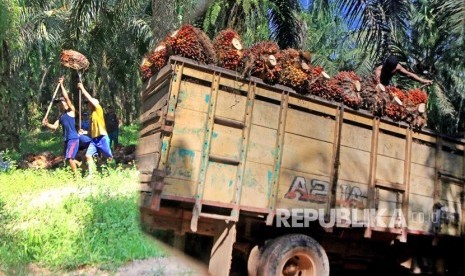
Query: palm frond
x=285, y=28
x=456, y=12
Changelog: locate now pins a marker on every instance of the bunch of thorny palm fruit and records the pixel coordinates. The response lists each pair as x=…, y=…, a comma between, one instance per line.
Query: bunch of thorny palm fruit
x=228, y=48
x=290, y=67
x=262, y=61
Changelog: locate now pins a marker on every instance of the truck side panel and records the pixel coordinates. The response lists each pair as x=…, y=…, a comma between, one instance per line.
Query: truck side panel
x=270, y=148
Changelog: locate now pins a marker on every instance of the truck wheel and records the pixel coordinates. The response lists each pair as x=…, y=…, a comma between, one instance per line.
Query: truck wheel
x=293, y=254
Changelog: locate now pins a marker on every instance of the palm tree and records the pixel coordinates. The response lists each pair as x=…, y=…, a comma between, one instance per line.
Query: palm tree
x=254, y=20
x=382, y=22
x=332, y=44
x=436, y=49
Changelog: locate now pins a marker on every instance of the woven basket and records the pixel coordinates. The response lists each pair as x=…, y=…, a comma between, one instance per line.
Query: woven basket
x=74, y=60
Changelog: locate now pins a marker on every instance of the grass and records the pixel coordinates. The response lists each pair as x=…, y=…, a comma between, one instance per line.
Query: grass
x=58, y=222
x=42, y=140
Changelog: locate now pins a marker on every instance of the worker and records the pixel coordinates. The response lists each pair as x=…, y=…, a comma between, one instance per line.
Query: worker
x=100, y=141
x=391, y=66
x=113, y=123
x=68, y=122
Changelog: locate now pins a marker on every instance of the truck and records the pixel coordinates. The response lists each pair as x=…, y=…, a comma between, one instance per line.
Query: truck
x=272, y=182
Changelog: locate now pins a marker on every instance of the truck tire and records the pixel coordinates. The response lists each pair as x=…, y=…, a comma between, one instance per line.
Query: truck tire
x=293, y=254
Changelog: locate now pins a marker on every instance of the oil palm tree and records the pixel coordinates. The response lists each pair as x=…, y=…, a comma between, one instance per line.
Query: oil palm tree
x=255, y=20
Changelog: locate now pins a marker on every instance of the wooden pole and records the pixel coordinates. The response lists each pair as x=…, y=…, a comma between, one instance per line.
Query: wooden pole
x=51, y=102
x=80, y=104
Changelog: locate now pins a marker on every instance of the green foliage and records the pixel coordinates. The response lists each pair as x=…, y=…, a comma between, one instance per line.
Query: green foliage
x=332, y=44
x=129, y=134
x=61, y=223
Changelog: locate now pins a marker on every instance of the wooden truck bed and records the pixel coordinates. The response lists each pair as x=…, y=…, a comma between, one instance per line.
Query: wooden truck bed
x=212, y=138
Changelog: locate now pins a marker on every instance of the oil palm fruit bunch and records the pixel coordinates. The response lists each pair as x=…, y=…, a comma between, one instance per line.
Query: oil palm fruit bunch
x=262, y=61
x=293, y=71
x=207, y=45
x=417, y=96
x=318, y=82
x=153, y=61
x=350, y=86
x=416, y=107
x=73, y=59
x=395, y=108
x=145, y=69
x=158, y=57
x=373, y=100
x=190, y=42
x=228, y=48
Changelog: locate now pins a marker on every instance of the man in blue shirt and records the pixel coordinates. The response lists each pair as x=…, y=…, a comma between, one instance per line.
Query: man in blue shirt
x=68, y=122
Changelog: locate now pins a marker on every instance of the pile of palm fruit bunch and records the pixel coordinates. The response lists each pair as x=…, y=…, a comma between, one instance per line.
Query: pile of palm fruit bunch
x=395, y=108
x=295, y=70
x=44, y=160
x=289, y=67
x=228, y=48
x=415, y=108
x=373, y=99
x=262, y=61
x=187, y=41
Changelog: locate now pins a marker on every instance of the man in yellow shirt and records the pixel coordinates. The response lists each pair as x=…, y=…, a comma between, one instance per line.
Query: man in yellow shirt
x=100, y=141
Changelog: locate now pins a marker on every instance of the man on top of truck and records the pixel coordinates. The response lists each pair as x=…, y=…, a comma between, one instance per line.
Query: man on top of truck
x=100, y=141
x=391, y=66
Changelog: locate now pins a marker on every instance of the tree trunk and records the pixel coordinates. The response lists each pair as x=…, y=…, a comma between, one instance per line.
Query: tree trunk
x=9, y=127
x=168, y=15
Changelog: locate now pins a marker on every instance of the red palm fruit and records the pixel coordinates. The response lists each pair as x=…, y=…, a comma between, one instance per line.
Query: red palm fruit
x=396, y=92
x=190, y=42
x=228, y=47
x=394, y=111
x=158, y=57
x=417, y=96
x=145, y=69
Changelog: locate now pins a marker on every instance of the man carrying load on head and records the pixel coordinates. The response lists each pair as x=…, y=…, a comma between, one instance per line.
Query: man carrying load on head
x=100, y=141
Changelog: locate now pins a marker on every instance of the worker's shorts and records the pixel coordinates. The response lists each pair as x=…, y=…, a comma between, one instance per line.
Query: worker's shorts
x=71, y=148
x=84, y=141
x=100, y=144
